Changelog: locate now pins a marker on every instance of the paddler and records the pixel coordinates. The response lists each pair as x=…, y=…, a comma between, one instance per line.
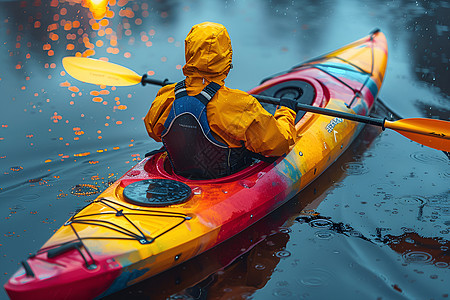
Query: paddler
x=208, y=129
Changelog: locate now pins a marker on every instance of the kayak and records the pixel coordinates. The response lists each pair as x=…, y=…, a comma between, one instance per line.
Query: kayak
x=151, y=219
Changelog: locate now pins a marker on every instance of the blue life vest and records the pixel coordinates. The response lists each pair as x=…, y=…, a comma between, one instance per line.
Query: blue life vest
x=193, y=150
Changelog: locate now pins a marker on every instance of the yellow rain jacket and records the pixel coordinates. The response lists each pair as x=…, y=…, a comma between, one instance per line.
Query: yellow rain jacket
x=234, y=116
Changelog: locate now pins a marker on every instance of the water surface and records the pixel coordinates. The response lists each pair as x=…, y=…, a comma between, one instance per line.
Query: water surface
x=374, y=225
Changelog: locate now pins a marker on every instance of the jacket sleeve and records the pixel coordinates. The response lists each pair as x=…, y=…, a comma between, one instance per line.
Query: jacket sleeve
x=159, y=110
x=271, y=135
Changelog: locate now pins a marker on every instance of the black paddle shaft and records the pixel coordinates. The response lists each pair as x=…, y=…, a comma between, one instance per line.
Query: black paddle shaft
x=325, y=111
x=146, y=80
x=300, y=106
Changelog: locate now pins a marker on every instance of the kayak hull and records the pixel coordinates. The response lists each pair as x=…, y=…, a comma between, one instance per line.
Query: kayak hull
x=113, y=243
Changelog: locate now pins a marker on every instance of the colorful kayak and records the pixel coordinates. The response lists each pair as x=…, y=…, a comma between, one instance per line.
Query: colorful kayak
x=151, y=220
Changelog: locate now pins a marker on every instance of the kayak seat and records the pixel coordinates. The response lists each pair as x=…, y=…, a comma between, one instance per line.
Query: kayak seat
x=301, y=91
x=192, y=149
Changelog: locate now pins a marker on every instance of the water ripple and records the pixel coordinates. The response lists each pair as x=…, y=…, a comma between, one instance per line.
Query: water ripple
x=444, y=175
x=441, y=264
x=321, y=223
x=17, y=207
x=317, y=277
x=324, y=234
x=385, y=145
x=355, y=168
x=428, y=158
x=29, y=197
x=282, y=292
x=283, y=254
x=285, y=230
x=412, y=200
x=418, y=257
x=383, y=186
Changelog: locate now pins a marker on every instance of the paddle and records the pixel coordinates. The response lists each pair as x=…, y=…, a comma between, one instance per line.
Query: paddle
x=429, y=132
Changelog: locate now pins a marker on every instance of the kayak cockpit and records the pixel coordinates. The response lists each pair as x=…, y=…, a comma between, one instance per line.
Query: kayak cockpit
x=160, y=164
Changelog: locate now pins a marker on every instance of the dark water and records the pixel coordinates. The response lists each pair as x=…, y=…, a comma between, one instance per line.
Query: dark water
x=375, y=225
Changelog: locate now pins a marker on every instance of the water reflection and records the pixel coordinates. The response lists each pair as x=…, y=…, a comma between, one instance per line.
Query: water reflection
x=38, y=29
x=48, y=30
x=425, y=26
x=304, y=20
x=410, y=245
x=418, y=249
x=429, y=45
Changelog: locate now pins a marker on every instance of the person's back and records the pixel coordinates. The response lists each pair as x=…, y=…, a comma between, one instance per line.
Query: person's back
x=236, y=119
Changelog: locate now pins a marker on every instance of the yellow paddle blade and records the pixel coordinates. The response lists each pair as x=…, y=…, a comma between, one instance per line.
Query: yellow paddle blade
x=428, y=132
x=99, y=72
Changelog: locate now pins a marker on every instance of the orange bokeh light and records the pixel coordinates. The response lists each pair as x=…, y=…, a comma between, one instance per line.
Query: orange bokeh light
x=98, y=8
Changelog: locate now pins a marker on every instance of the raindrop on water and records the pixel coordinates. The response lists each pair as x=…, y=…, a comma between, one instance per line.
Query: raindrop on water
x=441, y=264
x=412, y=200
x=285, y=230
x=355, y=168
x=324, y=234
x=283, y=254
x=417, y=257
x=317, y=277
x=321, y=223
x=282, y=292
x=428, y=158
x=29, y=197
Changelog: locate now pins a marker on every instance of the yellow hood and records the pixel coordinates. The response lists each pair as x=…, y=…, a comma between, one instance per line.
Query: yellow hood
x=208, y=52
